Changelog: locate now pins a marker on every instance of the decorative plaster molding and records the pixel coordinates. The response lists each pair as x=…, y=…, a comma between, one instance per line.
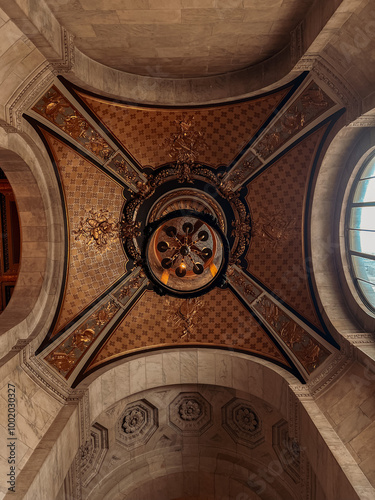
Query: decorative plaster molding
x=361, y=338
x=26, y=94
x=43, y=376
x=296, y=43
x=72, y=482
x=287, y=450
x=136, y=424
x=301, y=391
x=306, y=475
x=242, y=423
x=66, y=63
x=38, y=82
x=190, y=413
x=84, y=417
x=293, y=415
x=363, y=121
x=305, y=63
x=338, y=364
x=331, y=78
x=93, y=452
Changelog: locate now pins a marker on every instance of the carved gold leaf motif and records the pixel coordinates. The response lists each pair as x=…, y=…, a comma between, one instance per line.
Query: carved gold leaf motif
x=99, y=229
x=59, y=111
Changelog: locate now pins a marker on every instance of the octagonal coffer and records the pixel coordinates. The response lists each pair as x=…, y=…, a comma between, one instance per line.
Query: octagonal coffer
x=137, y=423
x=190, y=413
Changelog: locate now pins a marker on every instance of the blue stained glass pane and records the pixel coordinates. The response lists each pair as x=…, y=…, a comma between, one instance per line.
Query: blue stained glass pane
x=364, y=268
x=369, y=171
x=368, y=291
x=362, y=218
x=365, y=191
x=362, y=241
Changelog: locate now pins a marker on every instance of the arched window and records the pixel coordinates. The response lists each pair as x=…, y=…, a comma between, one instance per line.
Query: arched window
x=360, y=233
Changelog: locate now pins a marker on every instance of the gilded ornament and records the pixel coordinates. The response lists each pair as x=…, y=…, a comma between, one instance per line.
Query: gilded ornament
x=103, y=316
x=242, y=228
x=308, y=351
x=314, y=97
x=75, y=125
x=98, y=229
x=68, y=353
x=186, y=145
x=239, y=280
x=129, y=230
x=54, y=105
x=128, y=289
x=308, y=106
x=123, y=169
x=99, y=146
x=184, y=173
x=274, y=228
x=62, y=360
x=58, y=110
x=183, y=314
x=82, y=339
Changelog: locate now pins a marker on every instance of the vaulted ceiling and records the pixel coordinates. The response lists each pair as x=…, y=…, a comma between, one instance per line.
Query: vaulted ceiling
x=252, y=161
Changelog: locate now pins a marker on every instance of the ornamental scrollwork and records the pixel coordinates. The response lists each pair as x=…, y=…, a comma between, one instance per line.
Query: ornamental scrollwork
x=307, y=350
x=273, y=228
x=241, y=172
x=99, y=229
x=187, y=144
x=241, y=229
x=183, y=314
x=59, y=111
x=248, y=289
x=65, y=357
x=125, y=293
x=308, y=106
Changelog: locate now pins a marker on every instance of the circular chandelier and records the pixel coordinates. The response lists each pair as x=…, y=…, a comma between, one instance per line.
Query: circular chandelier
x=185, y=253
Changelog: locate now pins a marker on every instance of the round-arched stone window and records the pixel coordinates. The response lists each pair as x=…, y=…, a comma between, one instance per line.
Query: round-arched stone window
x=360, y=232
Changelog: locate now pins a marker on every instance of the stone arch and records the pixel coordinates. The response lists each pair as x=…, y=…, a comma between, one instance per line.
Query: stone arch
x=174, y=482
x=340, y=310
x=40, y=210
x=252, y=376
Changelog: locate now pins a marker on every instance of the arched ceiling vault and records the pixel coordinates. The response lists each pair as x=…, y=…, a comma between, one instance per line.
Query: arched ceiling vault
x=180, y=38
x=256, y=157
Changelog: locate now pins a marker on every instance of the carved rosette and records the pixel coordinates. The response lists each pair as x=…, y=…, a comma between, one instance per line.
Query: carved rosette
x=190, y=413
x=137, y=423
x=242, y=423
x=287, y=450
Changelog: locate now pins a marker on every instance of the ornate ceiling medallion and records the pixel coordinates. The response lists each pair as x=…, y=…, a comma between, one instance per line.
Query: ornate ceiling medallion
x=185, y=253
